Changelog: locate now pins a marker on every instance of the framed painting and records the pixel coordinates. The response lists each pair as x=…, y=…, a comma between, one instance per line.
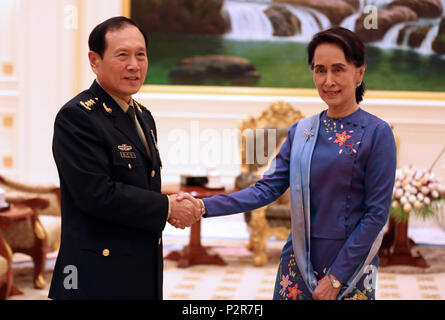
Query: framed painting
x=260, y=45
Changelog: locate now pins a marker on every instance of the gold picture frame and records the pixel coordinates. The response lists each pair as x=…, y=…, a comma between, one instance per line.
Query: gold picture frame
x=291, y=92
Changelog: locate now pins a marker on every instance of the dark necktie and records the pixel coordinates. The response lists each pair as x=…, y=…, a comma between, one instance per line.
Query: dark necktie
x=132, y=115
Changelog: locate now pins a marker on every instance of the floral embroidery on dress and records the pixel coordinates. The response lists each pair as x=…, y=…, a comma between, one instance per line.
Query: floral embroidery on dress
x=343, y=139
x=294, y=292
x=330, y=126
x=285, y=282
x=360, y=295
x=291, y=285
x=290, y=282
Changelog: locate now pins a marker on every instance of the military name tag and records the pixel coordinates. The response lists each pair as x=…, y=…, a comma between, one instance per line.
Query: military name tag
x=128, y=155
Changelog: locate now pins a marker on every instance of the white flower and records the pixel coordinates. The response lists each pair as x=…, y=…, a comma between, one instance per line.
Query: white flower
x=407, y=207
x=415, y=188
x=417, y=204
x=399, y=193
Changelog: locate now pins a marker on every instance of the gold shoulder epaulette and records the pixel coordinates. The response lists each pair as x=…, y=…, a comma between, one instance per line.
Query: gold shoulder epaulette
x=89, y=104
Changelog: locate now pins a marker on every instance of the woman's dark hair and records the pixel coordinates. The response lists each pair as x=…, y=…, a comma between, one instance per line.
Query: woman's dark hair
x=96, y=41
x=351, y=44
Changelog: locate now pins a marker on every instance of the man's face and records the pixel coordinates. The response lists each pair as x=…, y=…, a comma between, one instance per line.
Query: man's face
x=124, y=65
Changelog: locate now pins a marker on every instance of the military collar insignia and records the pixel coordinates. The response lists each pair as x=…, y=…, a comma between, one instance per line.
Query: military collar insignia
x=140, y=105
x=107, y=109
x=139, y=108
x=125, y=147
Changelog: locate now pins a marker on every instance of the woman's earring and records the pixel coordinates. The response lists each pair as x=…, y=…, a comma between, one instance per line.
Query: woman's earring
x=359, y=84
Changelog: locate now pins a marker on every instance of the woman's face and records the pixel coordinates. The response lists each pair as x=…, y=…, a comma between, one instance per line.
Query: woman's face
x=335, y=78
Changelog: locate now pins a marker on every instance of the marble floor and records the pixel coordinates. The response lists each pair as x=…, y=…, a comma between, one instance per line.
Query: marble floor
x=239, y=279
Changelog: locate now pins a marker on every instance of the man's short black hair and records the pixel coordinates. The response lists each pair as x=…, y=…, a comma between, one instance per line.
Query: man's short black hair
x=96, y=41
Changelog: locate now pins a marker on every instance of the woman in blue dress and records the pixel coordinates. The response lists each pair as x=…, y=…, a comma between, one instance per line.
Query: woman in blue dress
x=340, y=168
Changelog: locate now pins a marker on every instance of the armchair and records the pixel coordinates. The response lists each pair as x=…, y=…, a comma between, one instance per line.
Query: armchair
x=274, y=219
x=5, y=269
x=39, y=234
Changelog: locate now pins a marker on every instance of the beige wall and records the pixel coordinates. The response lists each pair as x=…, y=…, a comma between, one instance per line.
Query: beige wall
x=48, y=54
x=43, y=63
x=419, y=124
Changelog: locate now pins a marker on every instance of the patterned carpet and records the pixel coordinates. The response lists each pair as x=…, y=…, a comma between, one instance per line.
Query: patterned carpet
x=240, y=280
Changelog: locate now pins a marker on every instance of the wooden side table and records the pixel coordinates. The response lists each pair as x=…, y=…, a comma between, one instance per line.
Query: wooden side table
x=396, y=247
x=194, y=253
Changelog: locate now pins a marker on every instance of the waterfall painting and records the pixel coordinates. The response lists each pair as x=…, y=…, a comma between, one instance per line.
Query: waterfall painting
x=262, y=43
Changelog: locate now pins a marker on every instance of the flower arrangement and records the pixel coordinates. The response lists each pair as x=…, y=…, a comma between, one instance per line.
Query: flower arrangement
x=416, y=191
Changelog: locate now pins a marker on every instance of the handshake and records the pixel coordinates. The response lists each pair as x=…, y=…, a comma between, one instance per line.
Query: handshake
x=185, y=210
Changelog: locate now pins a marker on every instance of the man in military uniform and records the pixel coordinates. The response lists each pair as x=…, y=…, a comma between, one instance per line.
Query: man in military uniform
x=105, y=148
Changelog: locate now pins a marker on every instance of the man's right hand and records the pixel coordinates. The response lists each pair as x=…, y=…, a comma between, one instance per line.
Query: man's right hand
x=184, y=212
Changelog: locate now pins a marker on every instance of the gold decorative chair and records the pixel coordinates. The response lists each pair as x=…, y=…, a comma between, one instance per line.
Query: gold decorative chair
x=5, y=269
x=274, y=219
x=37, y=235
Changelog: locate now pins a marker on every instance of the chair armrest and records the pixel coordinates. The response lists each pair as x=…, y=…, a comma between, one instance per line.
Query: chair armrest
x=35, y=203
x=14, y=213
x=246, y=179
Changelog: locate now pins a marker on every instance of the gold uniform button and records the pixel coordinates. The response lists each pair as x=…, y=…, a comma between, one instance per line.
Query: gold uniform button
x=105, y=252
x=129, y=166
x=153, y=173
x=160, y=240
